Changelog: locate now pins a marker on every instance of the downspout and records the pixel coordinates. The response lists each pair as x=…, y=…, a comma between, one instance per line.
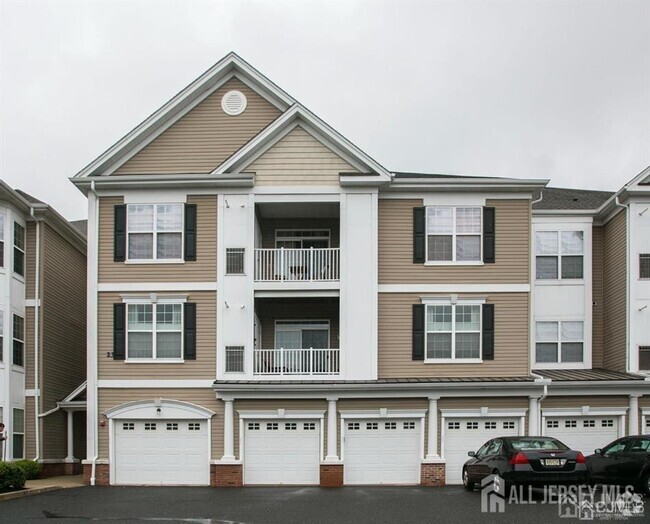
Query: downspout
x=37, y=298
x=628, y=322
x=545, y=383
x=95, y=432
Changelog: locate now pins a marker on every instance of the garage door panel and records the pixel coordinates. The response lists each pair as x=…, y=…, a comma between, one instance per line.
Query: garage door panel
x=583, y=433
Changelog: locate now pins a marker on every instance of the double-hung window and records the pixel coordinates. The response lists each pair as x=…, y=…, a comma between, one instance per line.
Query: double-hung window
x=644, y=265
x=19, y=249
x=19, y=340
x=155, y=232
x=453, y=234
x=18, y=433
x=2, y=240
x=559, y=342
x=154, y=331
x=559, y=255
x=453, y=332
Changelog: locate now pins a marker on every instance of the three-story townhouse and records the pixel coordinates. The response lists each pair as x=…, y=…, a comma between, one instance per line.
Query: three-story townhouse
x=269, y=305
x=42, y=334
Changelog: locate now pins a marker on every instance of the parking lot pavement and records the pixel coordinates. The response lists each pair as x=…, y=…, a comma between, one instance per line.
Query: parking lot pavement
x=270, y=505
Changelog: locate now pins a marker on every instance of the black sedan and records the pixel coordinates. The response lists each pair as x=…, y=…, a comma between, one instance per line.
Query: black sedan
x=534, y=461
x=625, y=461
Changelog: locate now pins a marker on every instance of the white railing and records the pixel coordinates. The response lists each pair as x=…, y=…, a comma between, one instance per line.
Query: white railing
x=296, y=361
x=297, y=265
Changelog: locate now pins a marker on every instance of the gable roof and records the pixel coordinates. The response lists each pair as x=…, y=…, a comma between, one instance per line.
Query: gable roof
x=230, y=66
x=560, y=198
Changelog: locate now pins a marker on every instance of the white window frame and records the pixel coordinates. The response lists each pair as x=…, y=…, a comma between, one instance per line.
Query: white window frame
x=15, y=339
x=301, y=325
x=644, y=254
x=449, y=302
x=155, y=232
x=559, y=254
x=559, y=363
x=454, y=234
x=15, y=247
x=154, y=304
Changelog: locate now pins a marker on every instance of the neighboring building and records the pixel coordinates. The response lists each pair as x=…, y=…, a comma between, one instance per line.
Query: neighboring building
x=43, y=329
x=269, y=305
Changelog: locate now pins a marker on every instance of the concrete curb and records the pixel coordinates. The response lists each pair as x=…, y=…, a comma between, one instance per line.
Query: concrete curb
x=27, y=492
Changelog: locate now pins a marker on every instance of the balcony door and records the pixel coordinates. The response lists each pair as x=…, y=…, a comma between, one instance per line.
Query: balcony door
x=302, y=334
x=296, y=263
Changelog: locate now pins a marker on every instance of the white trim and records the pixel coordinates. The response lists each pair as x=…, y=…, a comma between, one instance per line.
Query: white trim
x=454, y=236
x=161, y=287
x=32, y=392
x=484, y=412
x=154, y=302
x=382, y=413
x=302, y=194
x=154, y=232
x=140, y=409
x=33, y=302
x=454, y=288
x=297, y=293
x=155, y=383
x=280, y=414
x=583, y=411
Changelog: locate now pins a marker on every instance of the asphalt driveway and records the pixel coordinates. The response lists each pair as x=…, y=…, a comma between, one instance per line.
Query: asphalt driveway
x=270, y=505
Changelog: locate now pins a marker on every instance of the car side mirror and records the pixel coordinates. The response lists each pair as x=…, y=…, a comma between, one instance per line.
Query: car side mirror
x=598, y=451
x=471, y=453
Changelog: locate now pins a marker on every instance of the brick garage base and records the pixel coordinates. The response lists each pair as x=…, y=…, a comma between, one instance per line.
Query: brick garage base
x=331, y=475
x=432, y=475
x=102, y=474
x=60, y=469
x=226, y=475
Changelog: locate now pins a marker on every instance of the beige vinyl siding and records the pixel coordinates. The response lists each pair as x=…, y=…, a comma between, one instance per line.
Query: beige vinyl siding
x=273, y=406
x=597, y=297
x=270, y=225
x=204, y=397
x=205, y=137
x=298, y=309
x=30, y=258
x=204, y=269
x=396, y=247
x=614, y=291
x=510, y=339
x=204, y=367
x=299, y=159
x=30, y=435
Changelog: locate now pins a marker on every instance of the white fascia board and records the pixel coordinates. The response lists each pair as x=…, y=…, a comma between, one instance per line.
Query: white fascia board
x=583, y=411
x=620, y=387
x=281, y=414
x=471, y=184
x=484, y=412
x=76, y=392
x=382, y=413
x=164, y=181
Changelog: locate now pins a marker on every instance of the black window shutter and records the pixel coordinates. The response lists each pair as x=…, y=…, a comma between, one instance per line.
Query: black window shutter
x=119, y=233
x=119, y=331
x=189, y=332
x=488, y=331
x=488, y=235
x=190, y=232
x=418, y=332
x=418, y=235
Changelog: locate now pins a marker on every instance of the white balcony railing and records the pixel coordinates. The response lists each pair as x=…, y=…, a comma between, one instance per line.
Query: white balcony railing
x=296, y=361
x=297, y=265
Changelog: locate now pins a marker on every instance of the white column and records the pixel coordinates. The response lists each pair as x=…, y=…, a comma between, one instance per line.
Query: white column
x=432, y=441
x=533, y=416
x=228, y=431
x=634, y=415
x=70, y=456
x=332, y=455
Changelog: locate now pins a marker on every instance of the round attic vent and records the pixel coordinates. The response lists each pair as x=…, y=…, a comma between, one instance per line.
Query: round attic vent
x=233, y=103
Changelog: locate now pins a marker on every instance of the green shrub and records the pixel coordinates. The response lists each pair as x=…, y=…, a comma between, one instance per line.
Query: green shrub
x=11, y=476
x=31, y=468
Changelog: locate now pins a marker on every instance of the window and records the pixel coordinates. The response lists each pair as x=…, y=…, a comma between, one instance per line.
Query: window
x=172, y=426
x=253, y=426
x=644, y=358
x=290, y=426
x=644, y=265
x=2, y=240
x=19, y=249
x=559, y=342
x=235, y=261
x=372, y=425
x=453, y=331
x=353, y=426
x=234, y=359
x=19, y=433
x=616, y=447
x=154, y=331
x=607, y=423
x=390, y=425
x=194, y=426
x=19, y=340
x=552, y=424
x=155, y=232
x=640, y=445
x=471, y=425
x=150, y=426
x=559, y=254
x=409, y=425
x=509, y=425
x=310, y=426
x=302, y=239
x=302, y=334
x=570, y=423
x=453, y=425
x=490, y=425
x=272, y=426
x=589, y=423
x=128, y=426
x=454, y=234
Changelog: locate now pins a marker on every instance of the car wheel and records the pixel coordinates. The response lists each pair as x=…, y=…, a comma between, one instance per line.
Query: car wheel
x=469, y=485
x=646, y=484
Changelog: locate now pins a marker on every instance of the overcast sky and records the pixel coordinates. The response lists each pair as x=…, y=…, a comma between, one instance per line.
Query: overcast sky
x=557, y=90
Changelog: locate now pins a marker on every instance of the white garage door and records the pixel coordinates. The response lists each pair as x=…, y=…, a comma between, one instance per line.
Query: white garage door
x=282, y=452
x=469, y=434
x=162, y=452
x=583, y=433
x=382, y=451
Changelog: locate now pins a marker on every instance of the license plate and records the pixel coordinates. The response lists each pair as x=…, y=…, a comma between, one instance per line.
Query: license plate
x=552, y=462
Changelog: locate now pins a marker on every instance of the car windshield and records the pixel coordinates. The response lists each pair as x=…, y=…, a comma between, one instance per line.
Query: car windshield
x=524, y=444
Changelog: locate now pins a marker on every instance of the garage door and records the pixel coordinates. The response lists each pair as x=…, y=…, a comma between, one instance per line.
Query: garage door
x=382, y=451
x=469, y=434
x=583, y=433
x=162, y=452
x=282, y=452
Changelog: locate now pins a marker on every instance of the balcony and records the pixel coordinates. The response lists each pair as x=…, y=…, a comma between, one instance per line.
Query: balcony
x=296, y=361
x=297, y=265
